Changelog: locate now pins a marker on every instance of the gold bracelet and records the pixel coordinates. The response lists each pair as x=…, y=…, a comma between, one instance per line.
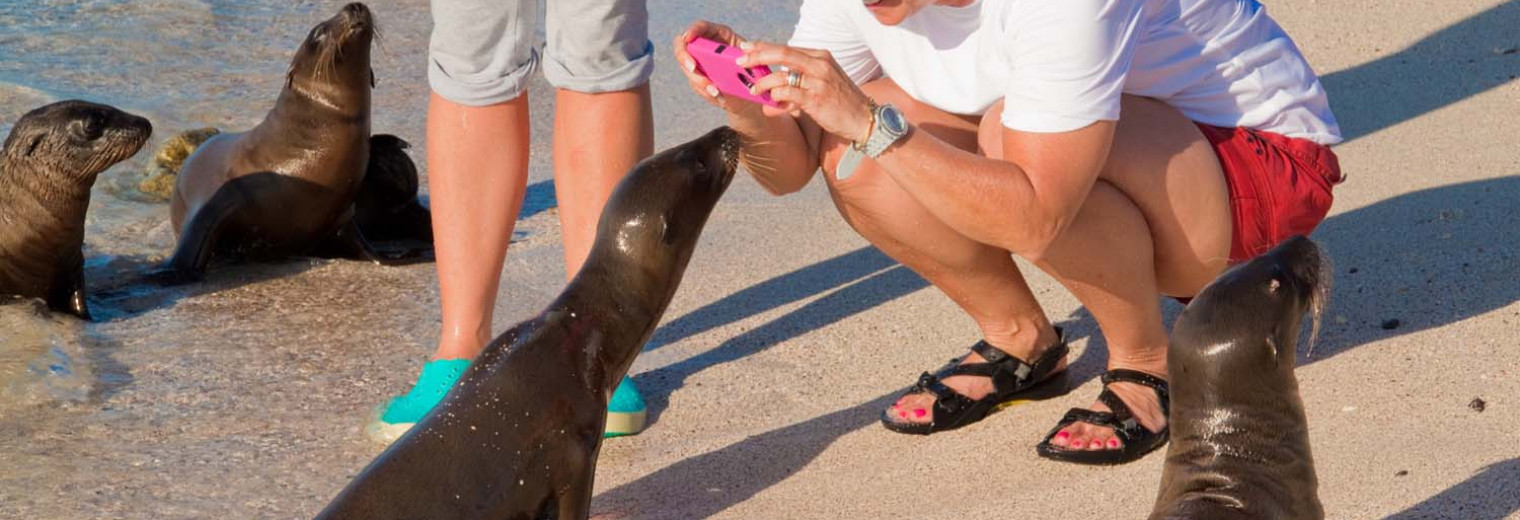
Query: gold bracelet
x=860, y=145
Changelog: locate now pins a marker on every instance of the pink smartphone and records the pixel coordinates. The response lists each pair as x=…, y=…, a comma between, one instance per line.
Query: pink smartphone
x=717, y=61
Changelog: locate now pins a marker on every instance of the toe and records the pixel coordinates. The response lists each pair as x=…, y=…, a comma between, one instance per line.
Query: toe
x=912, y=409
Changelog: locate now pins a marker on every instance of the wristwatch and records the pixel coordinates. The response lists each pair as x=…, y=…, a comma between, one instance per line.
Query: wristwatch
x=887, y=127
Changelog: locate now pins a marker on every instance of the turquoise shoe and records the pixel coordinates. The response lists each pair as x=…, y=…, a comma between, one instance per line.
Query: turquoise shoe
x=398, y=416
x=625, y=412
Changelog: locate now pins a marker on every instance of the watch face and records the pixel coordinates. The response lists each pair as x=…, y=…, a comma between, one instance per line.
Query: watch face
x=893, y=120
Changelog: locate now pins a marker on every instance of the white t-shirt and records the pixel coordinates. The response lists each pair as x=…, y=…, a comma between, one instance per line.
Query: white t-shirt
x=1062, y=64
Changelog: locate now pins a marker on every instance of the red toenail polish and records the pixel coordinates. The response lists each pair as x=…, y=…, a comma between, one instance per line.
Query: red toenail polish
x=919, y=412
x=1113, y=443
x=902, y=415
x=1063, y=435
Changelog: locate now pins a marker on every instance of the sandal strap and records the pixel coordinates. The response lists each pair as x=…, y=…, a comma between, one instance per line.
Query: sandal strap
x=1009, y=374
x=1160, y=386
x=947, y=401
x=1092, y=417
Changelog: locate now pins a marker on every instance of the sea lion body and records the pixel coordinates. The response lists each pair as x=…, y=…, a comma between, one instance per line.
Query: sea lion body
x=1240, y=438
x=48, y=165
x=288, y=186
x=518, y=436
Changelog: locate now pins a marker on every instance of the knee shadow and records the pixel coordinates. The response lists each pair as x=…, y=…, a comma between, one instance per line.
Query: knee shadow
x=1448, y=66
x=1427, y=259
x=778, y=291
x=1489, y=495
x=738, y=471
x=870, y=292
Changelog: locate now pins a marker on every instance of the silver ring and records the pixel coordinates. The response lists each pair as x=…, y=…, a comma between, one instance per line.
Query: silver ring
x=793, y=79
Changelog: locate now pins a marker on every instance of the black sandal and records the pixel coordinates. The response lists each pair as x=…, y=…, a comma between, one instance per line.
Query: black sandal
x=1012, y=379
x=1137, y=440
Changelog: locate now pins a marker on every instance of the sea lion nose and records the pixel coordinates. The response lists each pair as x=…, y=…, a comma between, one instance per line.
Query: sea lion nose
x=357, y=13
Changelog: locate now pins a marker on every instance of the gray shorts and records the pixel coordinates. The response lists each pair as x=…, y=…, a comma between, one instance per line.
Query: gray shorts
x=482, y=52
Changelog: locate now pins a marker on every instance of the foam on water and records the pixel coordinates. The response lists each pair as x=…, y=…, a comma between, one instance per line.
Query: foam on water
x=42, y=357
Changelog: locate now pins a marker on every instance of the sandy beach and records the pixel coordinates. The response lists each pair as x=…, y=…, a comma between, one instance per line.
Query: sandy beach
x=244, y=396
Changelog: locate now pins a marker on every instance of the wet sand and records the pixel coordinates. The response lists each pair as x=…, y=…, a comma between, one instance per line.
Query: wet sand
x=243, y=397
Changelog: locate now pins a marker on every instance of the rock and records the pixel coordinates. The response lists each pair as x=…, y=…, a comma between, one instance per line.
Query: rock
x=1402, y=472
x=158, y=180
x=1477, y=405
x=1390, y=324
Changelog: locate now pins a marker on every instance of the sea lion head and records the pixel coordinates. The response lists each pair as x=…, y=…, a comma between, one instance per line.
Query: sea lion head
x=657, y=212
x=334, y=58
x=75, y=140
x=1245, y=324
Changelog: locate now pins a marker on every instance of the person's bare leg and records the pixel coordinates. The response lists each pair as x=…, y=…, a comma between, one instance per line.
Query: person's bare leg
x=983, y=280
x=1157, y=221
x=597, y=139
x=1181, y=224
x=477, y=172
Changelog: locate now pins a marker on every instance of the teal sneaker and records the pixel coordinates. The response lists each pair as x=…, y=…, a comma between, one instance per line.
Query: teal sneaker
x=398, y=416
x=625, y=412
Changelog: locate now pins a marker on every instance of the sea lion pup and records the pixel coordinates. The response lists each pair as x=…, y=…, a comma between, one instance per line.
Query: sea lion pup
x=518, y=436
x=1240, y=440
x=288, y=186
x=49, y=162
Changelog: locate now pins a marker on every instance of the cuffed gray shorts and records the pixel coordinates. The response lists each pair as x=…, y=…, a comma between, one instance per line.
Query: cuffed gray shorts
x=482, y=52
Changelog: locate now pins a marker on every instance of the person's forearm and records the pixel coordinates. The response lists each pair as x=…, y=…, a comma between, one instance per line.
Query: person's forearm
x=989, y=200
x=776, y=151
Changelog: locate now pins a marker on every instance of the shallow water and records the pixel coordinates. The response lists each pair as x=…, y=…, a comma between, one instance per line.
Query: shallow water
x=41, y=357
x=182, y=64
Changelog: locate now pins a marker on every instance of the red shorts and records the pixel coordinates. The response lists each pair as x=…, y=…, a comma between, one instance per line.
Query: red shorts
x=1279, y=186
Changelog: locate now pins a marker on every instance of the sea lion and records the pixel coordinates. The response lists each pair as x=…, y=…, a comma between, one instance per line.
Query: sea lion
x=288, y=186
x=517, y=436
x=49, y=162
x=1240, y=440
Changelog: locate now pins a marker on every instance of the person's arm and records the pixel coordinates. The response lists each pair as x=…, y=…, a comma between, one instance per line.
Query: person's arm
x=1069, y=64
x=781, y=147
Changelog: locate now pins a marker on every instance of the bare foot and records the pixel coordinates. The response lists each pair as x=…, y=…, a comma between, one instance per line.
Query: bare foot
x=1142, y=401
x=919, y=407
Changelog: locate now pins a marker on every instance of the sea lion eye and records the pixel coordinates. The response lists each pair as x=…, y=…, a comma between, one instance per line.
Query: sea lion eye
x=88, y=128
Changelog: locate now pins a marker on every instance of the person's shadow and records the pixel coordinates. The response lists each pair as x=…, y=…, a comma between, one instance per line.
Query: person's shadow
x=1447, y=254
x=1488, y=495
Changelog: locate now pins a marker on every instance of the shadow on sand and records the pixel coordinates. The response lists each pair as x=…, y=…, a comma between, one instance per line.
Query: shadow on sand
x=1489, y=495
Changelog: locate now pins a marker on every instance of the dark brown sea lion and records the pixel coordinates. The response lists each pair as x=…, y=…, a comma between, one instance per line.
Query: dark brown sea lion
x=289, y=185
x=518, y=436
x=49, y=162
x=1240, y=440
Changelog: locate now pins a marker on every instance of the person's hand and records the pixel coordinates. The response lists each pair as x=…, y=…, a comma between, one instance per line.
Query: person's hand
x=825, y=93
x=699, y=83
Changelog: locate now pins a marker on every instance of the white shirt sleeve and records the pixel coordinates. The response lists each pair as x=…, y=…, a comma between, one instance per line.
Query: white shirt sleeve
x=1068, y=60
x=826, y=25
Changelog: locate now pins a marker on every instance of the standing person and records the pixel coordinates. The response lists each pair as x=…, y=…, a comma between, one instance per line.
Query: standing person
x=599, y=58
x=1130, y=148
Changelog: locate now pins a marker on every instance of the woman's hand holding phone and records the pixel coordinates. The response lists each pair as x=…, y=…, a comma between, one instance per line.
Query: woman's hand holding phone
x=737, y=103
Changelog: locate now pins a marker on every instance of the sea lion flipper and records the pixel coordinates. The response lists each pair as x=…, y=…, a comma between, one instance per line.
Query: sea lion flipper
x=198, y=238
x=68, y=293
x=77, y=303
x=350, y=242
